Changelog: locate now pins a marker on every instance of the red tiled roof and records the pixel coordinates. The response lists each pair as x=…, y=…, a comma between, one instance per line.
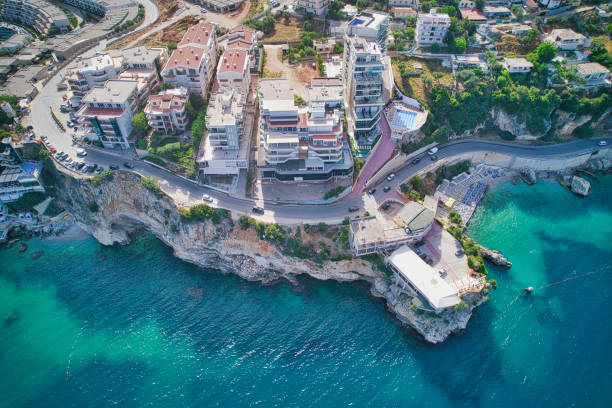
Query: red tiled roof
x=530, y=4
x=185, y=57
x=233, y=60
x=240, y=44
x=470, y=14
x=164, y=101
x=198, y=34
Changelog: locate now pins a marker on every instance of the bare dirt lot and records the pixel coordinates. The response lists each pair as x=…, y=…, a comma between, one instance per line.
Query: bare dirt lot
x=298, y=74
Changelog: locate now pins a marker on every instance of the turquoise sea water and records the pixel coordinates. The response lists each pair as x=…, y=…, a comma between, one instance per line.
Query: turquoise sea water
x=132, y=326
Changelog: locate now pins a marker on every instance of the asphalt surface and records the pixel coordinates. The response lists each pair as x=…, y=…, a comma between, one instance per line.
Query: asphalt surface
x=186, y=192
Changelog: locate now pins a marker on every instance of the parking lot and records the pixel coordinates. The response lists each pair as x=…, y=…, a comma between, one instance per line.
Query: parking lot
x=443, y=252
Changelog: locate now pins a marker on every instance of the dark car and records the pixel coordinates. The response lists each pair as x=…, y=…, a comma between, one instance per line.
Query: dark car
x=415, y=161
x=258, y=210
x=80, y=165
x=386, y=189
x=113, y=167
x=128, y=165
x=434, y=157
x=353, y=209
x=419, y=244
x=386, y=206
x=372, y=191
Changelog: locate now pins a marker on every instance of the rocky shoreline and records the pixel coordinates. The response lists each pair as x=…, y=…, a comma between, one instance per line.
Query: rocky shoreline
x=124, y=205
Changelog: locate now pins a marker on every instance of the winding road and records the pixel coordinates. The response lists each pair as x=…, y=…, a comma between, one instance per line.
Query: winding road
x=187, y=192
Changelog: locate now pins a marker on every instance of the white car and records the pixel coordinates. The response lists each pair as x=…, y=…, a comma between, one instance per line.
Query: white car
x=602, y=143
x=81, y=152
x=432, y=151
x=207, y=198
x=390, y=177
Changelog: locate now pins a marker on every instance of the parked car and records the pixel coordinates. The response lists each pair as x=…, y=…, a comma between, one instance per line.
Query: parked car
x=80, y=165
x=207, y=198
x=53, y=149
x=81, y=152
x=432, y=151
x=419, y=244
x=386, y=206
x=113, y=167
x=442, y=273
x=99, y=170
x=390, y=177
x=372, y=191
x=353, y=209
x=128, y=165
x=386, y=189
x=434, y=157
x=416, y=160
x=602, y=143
x=258, y=210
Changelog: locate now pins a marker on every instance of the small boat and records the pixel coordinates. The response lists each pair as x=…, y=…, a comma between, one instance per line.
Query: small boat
x=529, y=289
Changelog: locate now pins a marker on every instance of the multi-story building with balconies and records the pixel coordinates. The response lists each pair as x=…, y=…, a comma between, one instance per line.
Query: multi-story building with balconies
x=39, y=14
x=224, y=149
x=431, y=28
x=89, y=73
x=299, y=144
x=166, y=112
x=316, y=7
x=91, y=6
x=370, y=26
x=365, y=87
x=191, y=65
x=106, y=113
x=233, y=70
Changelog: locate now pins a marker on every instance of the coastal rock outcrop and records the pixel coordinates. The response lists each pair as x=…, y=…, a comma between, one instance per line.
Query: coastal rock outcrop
x=528, y=175
x=567, y=122
x=495, y=257
x=580, y=186
x=512, y=124
x=112, y=209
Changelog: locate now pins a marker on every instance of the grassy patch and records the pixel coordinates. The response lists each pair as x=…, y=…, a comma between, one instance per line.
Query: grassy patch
x=290, y=30
x=334, y=192
x=419, y=87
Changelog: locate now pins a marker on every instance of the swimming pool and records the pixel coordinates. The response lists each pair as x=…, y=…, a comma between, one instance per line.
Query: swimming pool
x=403, y=119
x=356, y=21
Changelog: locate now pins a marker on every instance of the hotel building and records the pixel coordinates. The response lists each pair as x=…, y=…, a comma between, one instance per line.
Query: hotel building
x=431, y=28
x=166, y=112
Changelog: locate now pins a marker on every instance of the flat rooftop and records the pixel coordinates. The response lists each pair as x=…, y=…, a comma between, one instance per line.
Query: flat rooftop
x=274, y=89
x=114, y=91
x=423, y=278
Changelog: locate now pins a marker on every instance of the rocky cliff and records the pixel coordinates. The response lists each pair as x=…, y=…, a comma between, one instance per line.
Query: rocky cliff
x=114, y=207
x=510, y=123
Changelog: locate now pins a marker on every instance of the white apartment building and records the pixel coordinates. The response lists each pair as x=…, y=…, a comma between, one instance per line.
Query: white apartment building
x=364, y=81
x=467, y=4
x=370, y=26
x=243, y=37
x=91, y=6
x=550, y=4
x=166, y=112
x=299, y=144
x=233, y=70
x=191, y=65
x=594, y=75
x=568, y=40
x=316, y=7
x=137, y=63
x=224, y=150
x=42, y=15
x=517, y=65
x=89, y=73
x=106, y=113
x=431, y=28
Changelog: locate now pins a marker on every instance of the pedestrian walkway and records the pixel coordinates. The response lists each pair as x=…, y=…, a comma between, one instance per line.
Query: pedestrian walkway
x=378, y=157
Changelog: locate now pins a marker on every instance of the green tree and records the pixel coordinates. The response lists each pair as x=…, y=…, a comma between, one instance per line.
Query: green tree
x=140, y=126
x=435, y=48
x=459, y=46
x=545, y=52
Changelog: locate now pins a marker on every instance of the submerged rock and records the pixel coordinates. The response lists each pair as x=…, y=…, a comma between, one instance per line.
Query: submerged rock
x=37, y=254
x=22, y=247
x=580, y=186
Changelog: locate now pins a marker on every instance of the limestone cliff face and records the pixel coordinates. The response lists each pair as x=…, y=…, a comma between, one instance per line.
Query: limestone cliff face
x=113, y=208
x=510, y=123
x=567, y=122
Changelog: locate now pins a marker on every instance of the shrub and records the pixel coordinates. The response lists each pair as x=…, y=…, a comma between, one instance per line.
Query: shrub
x=202, y=212
x=152, y=185
x=461, y=305
x=455, y=218
x=246, y=222
x=334, y=192
x=93, y=207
